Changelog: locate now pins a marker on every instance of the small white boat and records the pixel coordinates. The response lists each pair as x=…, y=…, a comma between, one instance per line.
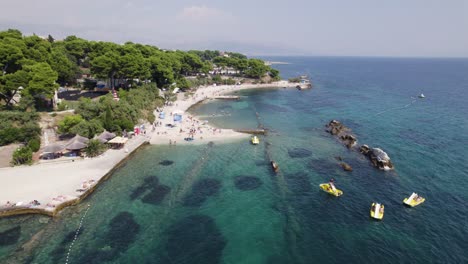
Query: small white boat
x=421, y=95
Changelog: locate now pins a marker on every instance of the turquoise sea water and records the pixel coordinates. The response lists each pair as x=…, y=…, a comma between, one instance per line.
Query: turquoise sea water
x=203, y=209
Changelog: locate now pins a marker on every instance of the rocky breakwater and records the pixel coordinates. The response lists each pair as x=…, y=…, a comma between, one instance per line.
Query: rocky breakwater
x=377, y=156
x=335, y=128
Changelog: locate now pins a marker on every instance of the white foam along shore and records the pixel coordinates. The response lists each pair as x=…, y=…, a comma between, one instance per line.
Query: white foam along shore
x=58, y=184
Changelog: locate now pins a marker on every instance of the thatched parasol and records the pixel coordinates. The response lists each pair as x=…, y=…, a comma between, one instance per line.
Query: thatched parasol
x=76, y=145
x=102, y=140
x=107, y=135
x=78, y=138
x=53, y=148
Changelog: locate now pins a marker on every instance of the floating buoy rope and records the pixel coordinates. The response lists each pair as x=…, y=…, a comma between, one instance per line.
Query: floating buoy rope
x=67, y=261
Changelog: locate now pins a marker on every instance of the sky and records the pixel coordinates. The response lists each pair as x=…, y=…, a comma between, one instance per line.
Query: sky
x=393, y=28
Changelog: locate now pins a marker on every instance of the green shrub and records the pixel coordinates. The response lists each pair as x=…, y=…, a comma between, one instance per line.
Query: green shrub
x=34, y=144
x=22, y=155
x=68, y=123
x=150, y=117
x=62, y=107
x=87, y=129
x=94, y=148
x=8, y=135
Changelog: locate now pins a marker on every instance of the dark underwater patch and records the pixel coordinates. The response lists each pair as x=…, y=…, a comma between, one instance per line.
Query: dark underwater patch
x=299, y=153
x=299, y=183
x=166, y=162
x=247, y=183
x=225, y=107
x=261, y=163
x=10, y=236
x=121, y=233
x=271, y=107
x=195, y=239
x=123, y=230
x=149, y=183
x=323, y=166
x=60, y=251
x=157, y=195
x=201, y=190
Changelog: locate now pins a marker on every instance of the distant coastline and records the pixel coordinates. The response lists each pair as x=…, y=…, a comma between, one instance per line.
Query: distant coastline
x=269, y=63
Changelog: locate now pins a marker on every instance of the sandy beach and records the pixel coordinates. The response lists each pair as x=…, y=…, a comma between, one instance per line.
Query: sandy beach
x=202, y=132
x=49, y=186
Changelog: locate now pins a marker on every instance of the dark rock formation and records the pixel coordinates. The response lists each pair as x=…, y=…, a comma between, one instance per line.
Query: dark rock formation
x=378, y=157
x=346, y=166
x=335, y=128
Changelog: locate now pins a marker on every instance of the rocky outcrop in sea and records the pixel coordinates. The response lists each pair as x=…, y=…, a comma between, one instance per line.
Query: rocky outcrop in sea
x=335, y=128
x=377, y=156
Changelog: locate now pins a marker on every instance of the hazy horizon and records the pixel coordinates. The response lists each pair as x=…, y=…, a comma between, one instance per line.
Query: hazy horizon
x=363, y=28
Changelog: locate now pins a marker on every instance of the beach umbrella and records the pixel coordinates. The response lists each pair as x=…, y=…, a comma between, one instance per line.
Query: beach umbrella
x=53, y=148
x=118, y=140
x=76, y=145
x=107, y=135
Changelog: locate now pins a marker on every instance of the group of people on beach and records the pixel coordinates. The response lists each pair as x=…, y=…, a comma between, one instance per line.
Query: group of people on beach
x=33, y=203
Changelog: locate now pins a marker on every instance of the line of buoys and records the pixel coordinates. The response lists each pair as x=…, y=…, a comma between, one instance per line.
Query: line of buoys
x=67, y=261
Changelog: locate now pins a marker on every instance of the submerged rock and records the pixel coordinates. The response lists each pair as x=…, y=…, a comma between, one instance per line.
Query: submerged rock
x=10, y=236
x=195, y=239
x=201, y=190
x=166, y=162
x=346, y=166
x=247, y=183
x=122, y=232
x=322, y=166
x=299, y=153
x=157, y=195
x=149, y=183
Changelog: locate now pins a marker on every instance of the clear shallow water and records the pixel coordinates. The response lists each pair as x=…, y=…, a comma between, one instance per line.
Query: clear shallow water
x=205, y=218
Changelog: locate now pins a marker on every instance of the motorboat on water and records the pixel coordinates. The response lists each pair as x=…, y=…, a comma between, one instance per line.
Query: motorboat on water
x=377, y=211
x=422, y=96
x=274, y=166
x=331, y=189
x=414, y=200
x=304, y=83
x=255, y=140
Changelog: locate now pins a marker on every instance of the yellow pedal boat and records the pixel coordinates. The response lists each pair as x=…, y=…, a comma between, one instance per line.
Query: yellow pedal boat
x=255, y=140
x=327, y=188
x=377, y=211
x=414, y=200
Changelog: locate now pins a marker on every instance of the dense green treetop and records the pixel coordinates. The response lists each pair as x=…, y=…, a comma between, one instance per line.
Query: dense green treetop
x=40, y=65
